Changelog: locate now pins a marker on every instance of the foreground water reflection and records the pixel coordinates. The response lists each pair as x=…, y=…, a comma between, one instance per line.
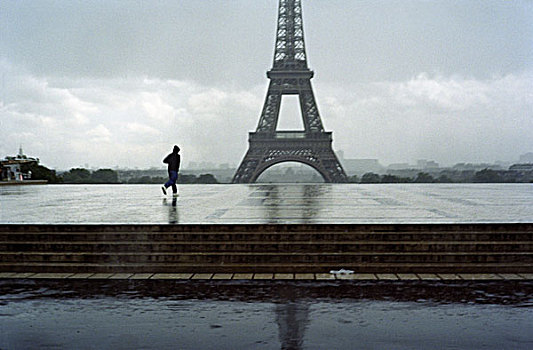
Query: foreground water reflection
x=255, y=315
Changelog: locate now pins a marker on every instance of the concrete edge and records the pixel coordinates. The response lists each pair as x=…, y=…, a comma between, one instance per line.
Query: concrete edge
x=274, y=276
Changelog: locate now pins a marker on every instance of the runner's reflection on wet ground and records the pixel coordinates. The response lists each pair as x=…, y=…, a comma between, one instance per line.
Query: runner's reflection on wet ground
x=173, y=215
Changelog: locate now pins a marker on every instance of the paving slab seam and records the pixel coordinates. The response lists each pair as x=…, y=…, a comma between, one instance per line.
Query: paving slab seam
x=274, y=276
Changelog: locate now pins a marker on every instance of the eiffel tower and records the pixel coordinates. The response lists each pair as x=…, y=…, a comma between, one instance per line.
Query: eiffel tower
x=290, y=75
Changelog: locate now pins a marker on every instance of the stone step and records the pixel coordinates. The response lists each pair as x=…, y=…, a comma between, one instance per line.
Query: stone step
x=319, y=246
x=271, y=276
x=269, y=228
x=262, y=237
x=447, y=248
x=268, y=267
x=261, y=257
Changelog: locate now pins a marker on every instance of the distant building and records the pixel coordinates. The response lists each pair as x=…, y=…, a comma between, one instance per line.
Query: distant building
x=526, y=158
x=522, y=167
x=201, y=165
x=362, y=166
x=399, y=166
x=426, y=164
x=10, y=167
x=503, y=164
x=475, y=166
x=403, y=172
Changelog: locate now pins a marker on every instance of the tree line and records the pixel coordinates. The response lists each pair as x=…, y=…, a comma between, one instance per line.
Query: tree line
x=182, y=179
x=482, y=176
x=105, y=176
x=110, y=176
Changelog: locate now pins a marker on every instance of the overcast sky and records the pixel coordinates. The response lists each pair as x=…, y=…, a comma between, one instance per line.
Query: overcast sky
x=109, y=83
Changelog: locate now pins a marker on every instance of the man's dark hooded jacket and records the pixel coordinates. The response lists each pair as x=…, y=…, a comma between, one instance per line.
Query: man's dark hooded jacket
x=173, y=159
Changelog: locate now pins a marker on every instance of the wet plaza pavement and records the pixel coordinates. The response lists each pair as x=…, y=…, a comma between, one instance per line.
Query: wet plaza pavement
x=121, y=314
x=276, y=203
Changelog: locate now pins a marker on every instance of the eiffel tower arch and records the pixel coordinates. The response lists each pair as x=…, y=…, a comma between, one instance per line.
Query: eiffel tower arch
x=290, y=75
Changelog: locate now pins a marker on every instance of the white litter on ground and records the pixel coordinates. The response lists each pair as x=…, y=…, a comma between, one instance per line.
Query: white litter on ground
x=341, y=272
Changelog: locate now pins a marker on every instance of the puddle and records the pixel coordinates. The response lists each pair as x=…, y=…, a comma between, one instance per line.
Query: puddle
x=265, y=315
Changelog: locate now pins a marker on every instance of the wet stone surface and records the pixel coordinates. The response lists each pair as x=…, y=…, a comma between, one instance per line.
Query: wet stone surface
x=291, y=203
x=261, y=314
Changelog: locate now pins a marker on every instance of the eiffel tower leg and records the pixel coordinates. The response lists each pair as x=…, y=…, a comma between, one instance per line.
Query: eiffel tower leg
x=270, y=114
x=333, y=167
x=248, y=168
x=263, y=154
x=311, y=117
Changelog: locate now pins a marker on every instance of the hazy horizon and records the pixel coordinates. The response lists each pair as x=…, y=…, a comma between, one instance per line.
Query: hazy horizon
x=110, y=83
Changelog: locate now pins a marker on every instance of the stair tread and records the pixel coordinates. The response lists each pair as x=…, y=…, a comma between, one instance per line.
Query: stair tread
x=280, y=232
x=266, y=242
x=266, y=253
x=429, y=264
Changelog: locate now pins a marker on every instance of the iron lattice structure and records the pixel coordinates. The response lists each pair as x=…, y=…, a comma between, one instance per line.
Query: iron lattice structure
x=290, y=75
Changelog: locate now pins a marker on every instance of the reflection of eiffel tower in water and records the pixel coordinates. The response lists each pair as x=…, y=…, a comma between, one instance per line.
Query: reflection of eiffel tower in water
x=290, y=75
x=281, y=203
x=292, y=318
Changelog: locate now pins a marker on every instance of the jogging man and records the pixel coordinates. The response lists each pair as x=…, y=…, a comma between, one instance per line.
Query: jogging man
x=173, y=161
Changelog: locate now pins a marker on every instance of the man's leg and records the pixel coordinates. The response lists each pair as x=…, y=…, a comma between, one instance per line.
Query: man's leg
x=173, y=180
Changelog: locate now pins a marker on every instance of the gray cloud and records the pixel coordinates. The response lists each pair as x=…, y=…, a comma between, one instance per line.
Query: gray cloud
x=132, y=122
x=450, y=119
x=118, y=82
x=220, y=41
